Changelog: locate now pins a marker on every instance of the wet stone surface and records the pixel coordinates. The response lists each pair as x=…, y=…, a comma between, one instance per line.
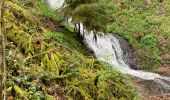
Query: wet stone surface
x=128, y=52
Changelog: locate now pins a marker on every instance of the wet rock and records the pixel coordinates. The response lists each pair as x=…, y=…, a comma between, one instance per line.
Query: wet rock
x=128, y=52
x=153, y=87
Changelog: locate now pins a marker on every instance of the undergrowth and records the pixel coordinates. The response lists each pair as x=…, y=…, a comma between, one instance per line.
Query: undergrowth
x=139, y=22
x=45, y=65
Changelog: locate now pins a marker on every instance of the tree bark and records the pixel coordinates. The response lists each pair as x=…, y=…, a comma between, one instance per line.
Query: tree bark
x=1, y=53
x=3, y=72
x=79, y=32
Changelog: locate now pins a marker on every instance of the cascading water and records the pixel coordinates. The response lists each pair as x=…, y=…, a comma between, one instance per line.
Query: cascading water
x=55, y=4
x=107, y=48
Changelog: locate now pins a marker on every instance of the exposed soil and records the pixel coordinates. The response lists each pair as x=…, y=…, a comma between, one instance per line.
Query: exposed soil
x=51, y=24
x=164, y=70
x=165, y=96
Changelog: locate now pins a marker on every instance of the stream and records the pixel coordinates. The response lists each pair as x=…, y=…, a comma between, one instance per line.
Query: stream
x=108, y=48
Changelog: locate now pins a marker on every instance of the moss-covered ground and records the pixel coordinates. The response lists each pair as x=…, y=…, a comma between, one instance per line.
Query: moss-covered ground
x=51, y=64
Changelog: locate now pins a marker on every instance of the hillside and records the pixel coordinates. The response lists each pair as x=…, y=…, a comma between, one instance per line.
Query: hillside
x=46, y=62
x=85, y=49
x=145, y=24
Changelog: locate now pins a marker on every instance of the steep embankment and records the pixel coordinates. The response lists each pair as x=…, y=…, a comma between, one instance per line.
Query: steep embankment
x=46, y=63
x=145, y=23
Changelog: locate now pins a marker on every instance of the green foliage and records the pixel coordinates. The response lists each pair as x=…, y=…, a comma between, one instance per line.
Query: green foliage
x=49, y=12
x=40, y=8
x=140, y=19
x=68, y=39
x=91, y=13
x=79, y=76
x=26, y=2
x=45, y=65
x=149, y=43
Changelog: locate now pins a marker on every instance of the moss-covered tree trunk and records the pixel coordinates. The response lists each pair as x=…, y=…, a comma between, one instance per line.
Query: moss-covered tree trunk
x=1, y=52
x=1, y=66
x=3, y=73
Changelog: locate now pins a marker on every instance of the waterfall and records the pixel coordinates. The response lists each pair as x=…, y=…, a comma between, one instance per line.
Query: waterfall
x=55, y=4
x=108, y=49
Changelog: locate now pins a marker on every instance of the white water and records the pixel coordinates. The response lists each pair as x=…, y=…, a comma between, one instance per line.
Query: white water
x=108, y=49
x=56, y=4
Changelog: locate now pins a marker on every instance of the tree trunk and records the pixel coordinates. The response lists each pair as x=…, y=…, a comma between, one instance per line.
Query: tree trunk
x=3, y=72
x=1, y=54
x=79, y=28
x=95, y=36
x=78, y=33
x=75, y=28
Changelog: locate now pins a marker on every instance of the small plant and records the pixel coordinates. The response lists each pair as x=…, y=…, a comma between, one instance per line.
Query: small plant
x=149, y=43
x=49, y=12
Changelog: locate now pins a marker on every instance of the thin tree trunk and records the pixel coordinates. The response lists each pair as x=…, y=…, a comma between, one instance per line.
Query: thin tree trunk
x=4, y=63
x=79, y=28
x=3, y=77
x=75, y=28
x=78, y=33
x=1, y=54
x=95, y=36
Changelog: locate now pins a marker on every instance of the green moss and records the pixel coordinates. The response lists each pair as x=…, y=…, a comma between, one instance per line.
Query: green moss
x=50, y=65
x=135, y=20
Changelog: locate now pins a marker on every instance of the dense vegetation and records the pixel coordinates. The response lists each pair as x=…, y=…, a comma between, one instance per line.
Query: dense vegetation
x=91, y=13
x=46, y=61
x=145, y=23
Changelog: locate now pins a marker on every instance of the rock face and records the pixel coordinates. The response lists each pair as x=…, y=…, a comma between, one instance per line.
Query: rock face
x=128, y=53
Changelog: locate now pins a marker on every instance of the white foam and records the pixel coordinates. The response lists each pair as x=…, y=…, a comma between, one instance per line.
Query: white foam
x=56, y=4
x=107, y=48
